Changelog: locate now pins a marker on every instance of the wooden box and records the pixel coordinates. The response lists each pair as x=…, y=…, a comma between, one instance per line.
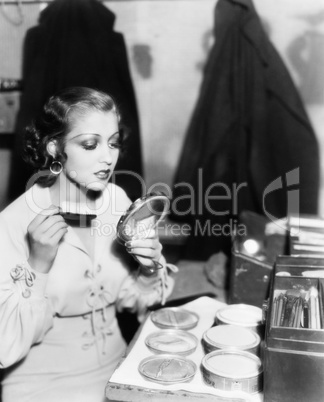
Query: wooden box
x=293, y=357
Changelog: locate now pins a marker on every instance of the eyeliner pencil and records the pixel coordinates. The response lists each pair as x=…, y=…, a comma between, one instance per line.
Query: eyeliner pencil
x=274, y=312
x=292, y=313
x=282, y=316
x=280, y=305
x=313, y=301
x=321, y=305
x=297, y=318
x=305, y=314
x=317, y=313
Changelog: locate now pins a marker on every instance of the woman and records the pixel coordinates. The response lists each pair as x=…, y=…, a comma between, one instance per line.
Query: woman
x=61, y=283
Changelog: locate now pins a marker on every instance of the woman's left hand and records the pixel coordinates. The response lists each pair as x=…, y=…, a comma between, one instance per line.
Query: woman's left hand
x=146, y=249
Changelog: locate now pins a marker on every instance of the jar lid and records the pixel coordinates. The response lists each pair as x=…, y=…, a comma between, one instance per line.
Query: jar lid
x=174, y=317
x=240, y=314
x=231, y=336
x=172, y=341
x=232, y=364
x=167, y=369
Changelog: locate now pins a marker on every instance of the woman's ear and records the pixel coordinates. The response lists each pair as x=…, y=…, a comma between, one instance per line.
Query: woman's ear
x=52, y=148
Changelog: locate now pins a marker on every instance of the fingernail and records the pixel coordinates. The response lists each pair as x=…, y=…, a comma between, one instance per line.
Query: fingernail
x=55, y=209
x=128, y=244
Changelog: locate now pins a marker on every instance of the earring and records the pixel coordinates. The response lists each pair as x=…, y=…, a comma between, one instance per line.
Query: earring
x=56, y=167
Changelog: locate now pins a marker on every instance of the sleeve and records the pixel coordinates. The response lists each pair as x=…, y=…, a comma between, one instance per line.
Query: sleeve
x=138, y=291
x=25, y=313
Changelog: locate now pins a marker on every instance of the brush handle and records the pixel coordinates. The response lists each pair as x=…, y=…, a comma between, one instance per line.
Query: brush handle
x=312, y=306
x=321, y=304
x=306, y=315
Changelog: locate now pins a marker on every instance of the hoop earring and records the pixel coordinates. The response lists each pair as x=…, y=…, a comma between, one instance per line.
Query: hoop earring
x=56, y=167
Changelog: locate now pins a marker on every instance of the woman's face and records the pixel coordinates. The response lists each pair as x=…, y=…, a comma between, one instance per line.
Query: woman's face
x=92, y=149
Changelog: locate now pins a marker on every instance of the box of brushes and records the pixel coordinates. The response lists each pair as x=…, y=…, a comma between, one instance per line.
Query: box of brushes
x=293, y=354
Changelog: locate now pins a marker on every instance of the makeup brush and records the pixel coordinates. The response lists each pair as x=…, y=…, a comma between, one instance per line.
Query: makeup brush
x=314, y=311
x=321, y=303
x=76, y=214
x=305, y=315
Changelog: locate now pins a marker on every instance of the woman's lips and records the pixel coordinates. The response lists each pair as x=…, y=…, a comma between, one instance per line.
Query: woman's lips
x=103, y=174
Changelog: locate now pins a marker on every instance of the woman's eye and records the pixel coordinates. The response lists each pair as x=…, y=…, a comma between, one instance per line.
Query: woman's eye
x=114, y=144
x=88, y=146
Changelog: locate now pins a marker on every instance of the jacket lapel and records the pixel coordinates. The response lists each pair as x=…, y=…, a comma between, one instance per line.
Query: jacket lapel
x=73, y=239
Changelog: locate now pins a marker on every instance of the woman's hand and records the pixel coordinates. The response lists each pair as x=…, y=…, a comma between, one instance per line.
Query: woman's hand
x=45, y=232
x=146, y=249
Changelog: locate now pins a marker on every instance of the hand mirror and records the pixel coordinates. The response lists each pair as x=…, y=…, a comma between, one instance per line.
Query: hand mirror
x=144, y=214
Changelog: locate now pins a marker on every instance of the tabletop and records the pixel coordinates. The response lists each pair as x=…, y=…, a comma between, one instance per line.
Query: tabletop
x=127, y=384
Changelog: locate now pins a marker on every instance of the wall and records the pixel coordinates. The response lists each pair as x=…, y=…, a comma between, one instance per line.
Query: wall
x=168, y=43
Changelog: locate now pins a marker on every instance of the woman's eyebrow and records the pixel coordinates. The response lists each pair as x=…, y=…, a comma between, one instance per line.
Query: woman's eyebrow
x=79, y=135
x=97, y=135
x=115, y=134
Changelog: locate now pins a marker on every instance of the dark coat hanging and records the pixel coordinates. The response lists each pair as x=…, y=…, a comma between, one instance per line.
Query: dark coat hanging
x=249, y=128
x=74, y=44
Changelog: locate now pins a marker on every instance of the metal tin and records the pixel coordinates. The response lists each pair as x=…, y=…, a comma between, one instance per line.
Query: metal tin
x=244, y=315
x=228, y=370
x=232, y=337
x=172, y=341
x=167, y=369
x=174, y=318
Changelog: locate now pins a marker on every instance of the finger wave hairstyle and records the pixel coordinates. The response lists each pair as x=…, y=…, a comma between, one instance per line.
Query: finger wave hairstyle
x=56, y=120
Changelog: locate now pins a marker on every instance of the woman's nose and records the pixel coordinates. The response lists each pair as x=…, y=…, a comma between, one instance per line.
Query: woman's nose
x=106, y=155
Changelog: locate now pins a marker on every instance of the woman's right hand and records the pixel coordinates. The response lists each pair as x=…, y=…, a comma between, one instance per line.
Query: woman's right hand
x=45, y=232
